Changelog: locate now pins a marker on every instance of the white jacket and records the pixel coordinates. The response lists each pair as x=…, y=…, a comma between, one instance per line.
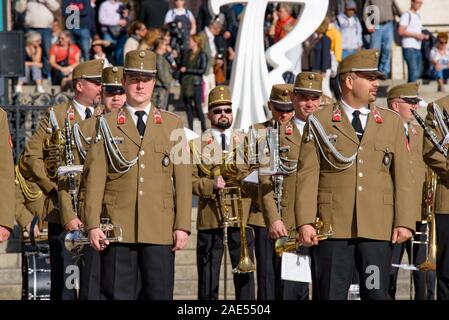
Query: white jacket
x=38, y=13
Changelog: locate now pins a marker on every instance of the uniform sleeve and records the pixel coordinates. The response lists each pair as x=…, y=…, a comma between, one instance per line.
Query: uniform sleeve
x=22, y=214
x=33, y=157
x=404, y=214
x=201, y=186
x=7, y=196
x=182, y=177
x=433, y=158
x=307, y=182
x=268, y=204
x=93, y=179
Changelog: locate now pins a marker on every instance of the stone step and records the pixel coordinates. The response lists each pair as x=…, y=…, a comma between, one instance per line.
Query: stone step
x=10, y=292
x=186, y=257
x=190, y=288
x=10, y=246
x=10, y=261
x=11, y=276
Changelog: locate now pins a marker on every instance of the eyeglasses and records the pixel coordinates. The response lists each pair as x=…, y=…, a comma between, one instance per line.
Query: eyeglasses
x=219, y=111
x=443, y=42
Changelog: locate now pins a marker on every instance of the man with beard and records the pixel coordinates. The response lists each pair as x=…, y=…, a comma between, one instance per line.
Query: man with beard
x=42, y=157
x=218, y=162
x=133, y=177
x=354, y=174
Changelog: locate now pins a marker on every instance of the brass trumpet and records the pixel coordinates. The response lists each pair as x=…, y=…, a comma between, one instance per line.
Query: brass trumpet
x=75, y=240
x=290, y=244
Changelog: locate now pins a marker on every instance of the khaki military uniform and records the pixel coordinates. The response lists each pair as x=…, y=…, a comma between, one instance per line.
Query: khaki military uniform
x=371, y=197
x=7, y=203
x=148, y=212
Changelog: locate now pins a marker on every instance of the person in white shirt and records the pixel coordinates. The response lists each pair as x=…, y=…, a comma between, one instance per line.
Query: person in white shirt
x=351, y=29
x=410, y=29
x=439, y=56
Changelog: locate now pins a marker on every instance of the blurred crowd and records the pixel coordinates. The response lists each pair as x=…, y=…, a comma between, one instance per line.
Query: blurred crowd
x=196, y=51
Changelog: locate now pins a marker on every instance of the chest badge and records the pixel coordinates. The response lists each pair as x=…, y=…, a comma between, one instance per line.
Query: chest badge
x=166, y=160
x=387, y=159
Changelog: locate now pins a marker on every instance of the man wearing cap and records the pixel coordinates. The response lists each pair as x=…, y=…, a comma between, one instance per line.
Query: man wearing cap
x=7, y=203
x=40, y=165
x=354, y=174
x=404, y=99
x=439, y=164
x=209, y=176
x=133, y=178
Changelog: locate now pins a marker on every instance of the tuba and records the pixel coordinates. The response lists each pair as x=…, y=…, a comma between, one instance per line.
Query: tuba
x=290, y=244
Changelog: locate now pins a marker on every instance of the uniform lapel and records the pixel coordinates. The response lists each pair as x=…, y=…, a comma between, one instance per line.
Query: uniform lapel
x=295, y=136
x=371, y=127
x=344, y=126
x=129, y=128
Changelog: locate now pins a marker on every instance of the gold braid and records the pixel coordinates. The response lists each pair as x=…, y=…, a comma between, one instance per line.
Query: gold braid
x=29, y=194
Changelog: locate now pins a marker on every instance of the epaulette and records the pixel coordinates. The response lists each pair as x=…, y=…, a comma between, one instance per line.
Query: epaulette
x=388, y=109
x=170, y=113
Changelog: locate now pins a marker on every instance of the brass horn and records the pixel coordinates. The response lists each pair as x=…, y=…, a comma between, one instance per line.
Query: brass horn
x=290, y=244
x=75, y=240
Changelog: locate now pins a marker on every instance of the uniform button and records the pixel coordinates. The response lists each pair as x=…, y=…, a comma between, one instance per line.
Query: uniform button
x=360, y=174
x=142, y=152
x=141, y=179
x=360, y=161
x=360, y=148
x=142, y=166
x=360, y=188
x=140, y=192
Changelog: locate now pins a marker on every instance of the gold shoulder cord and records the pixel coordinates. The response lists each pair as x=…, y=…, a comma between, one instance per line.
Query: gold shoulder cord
x=29, y=194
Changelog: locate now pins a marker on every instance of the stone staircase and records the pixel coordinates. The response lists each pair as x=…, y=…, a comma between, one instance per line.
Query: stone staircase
x=11, y=268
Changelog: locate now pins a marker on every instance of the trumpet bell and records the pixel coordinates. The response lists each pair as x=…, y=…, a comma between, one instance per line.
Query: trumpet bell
x=285, y=244
x=75, y=240
x=245, y=266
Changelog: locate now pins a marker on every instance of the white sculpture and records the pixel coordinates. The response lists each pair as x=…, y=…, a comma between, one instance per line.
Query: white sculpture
x=250, y=80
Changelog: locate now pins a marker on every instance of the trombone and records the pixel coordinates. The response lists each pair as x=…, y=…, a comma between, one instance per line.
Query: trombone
x=291, y=244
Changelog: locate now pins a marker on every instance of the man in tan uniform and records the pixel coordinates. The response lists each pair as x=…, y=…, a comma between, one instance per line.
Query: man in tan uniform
x=132, y=177
x=403, y=99
x=354, y=174
x=438, y=163
x=209, y=177
x=43, y=155
x=7, y=202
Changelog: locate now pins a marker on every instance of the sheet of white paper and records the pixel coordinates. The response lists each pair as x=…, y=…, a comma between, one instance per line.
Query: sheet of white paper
x=405, y=266
x=190, y=134
x=253, y=177
x=296, y=267
x=63, y=170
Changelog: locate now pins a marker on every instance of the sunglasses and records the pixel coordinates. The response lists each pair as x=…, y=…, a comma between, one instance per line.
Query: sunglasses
x=411, y=101
x=443, y=42
x=219, y=111
x=282, y=111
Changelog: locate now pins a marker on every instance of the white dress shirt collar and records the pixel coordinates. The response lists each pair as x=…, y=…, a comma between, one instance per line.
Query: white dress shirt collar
x=364, y=112
x=217, y=135
x=82, y=109
x=132, y=112
x=299, y=124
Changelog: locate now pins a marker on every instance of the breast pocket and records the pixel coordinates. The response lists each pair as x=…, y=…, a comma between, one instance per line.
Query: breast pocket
x=383, y=155
x=163, y=158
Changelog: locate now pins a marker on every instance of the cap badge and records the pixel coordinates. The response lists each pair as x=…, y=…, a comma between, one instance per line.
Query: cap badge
x=377, y=116
x=121, y=118
x=142, y=54
x=336, y=115
x=311, y=76
x=114, y=69
x=288, y=129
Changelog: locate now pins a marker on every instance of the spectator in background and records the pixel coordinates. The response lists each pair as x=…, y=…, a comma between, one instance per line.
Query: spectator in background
x=98, y=52
x=439, y=56
x=147, y=42
x=113, y=18
x=182, y=19
x=351, y=29
x=82, y=34
x=192, y=81
x=282, y=23
x=381, y=36
x=33, y=62
x=55, y=31
x=136, y=32
x=410, y=29
x=64, y=57
x=152, y=12
x=39, y=17
x=164, y=78
x=336, y=53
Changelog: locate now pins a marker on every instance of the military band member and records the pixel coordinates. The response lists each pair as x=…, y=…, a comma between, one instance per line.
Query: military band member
x=438, y=163
x=42, y=157
x=354, y=174
x=7, y=201
x=132, y=177
x=402, y=99
x=206, y=186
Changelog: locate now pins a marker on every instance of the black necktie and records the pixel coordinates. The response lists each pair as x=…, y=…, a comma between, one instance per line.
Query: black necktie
x=88, y=113
x=223, y=142
x=140, y=124
x=357, y=124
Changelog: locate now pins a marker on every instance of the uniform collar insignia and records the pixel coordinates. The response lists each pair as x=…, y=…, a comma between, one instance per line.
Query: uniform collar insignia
x=210, y=139
x=157, y=117
x=336, y=114
x=414, y=130
x=377, y=116
x=288, y=129
x=121, y=118
x=236, y=139
x=71, y=113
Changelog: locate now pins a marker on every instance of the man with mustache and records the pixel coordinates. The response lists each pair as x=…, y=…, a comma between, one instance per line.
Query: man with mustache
x=354, y=174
